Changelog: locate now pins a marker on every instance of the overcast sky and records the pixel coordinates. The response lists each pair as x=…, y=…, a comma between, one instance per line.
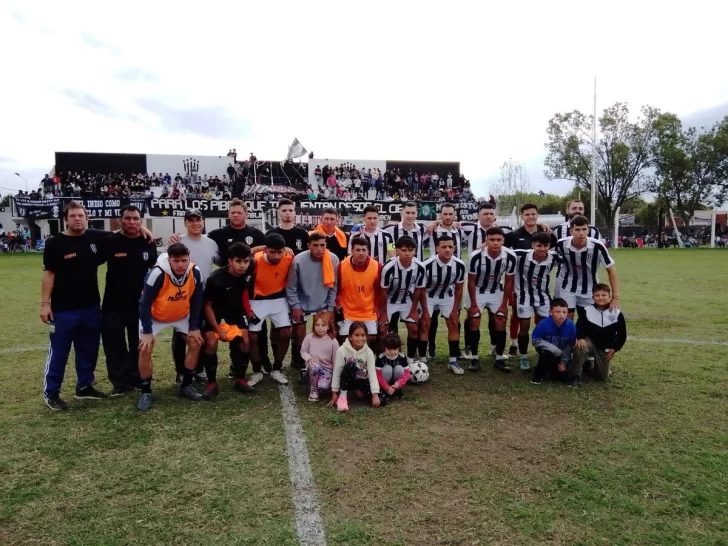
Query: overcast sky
x=362, y=80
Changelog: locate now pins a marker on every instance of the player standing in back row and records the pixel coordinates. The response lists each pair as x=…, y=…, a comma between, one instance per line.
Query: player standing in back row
x=381, y=242
x=411, y=228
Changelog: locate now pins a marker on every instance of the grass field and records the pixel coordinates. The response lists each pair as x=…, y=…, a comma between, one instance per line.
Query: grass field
x=477, y=459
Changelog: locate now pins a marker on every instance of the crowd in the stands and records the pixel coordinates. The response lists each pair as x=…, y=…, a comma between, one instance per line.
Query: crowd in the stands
x=347, y=182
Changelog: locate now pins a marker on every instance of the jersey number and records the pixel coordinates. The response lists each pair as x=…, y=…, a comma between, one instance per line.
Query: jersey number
x=361, y=288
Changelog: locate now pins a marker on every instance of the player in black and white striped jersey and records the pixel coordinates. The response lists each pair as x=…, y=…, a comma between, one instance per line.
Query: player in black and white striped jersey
x=531, y=286
x=486, y=268
x=403, y=281
x=411, y=228
x=381, y=242
x=580, y=258
x=444, y=282
x=575, y=208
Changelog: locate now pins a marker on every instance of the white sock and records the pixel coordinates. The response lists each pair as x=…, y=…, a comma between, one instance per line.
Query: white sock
x=514, y=343
x=410, y=360
x=342, y=394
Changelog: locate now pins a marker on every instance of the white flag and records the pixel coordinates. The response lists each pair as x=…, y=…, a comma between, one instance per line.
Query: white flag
x=295, y=150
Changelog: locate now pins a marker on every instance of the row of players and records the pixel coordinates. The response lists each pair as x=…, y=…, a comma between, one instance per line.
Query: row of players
x=366, y=291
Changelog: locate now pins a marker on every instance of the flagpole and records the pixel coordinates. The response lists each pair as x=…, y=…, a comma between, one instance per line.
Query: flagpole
x=593, y=206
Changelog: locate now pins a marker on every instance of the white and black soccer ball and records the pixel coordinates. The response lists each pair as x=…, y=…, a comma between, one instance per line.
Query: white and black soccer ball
x=419, y=373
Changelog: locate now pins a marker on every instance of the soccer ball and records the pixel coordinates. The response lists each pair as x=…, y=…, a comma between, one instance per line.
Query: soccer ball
x=419, y=372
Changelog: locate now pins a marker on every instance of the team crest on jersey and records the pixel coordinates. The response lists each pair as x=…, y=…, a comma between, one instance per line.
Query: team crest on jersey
x=230, y=240
x=249, y=240
x=145, y=256
x=93, y=248
x=299, y=244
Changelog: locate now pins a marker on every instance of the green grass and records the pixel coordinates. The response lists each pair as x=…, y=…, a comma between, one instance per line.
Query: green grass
x=477, y=459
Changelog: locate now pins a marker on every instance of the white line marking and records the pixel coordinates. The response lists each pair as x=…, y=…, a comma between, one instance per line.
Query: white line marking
x=14, y=350
x=308, y=521
x=682, y=341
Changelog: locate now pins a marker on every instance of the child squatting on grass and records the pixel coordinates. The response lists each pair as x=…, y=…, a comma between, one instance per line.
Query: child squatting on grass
x=393, y=372
x=354, y=368
x=600, y=332
x=318, y=350
x=554, y=338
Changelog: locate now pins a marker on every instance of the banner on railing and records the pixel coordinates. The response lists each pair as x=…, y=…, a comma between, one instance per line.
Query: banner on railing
x=97, y=208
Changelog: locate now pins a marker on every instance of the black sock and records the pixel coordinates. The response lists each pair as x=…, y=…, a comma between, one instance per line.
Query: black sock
x=239, y=362
x=179, y=349
x=411, y=346
x=500, y=341
x=187, y=378
x=433, y=331
x=422, y=348
x=523, y=343
x=146, y=385
x=466, y=332
x=210, y=362
x=491, y=330
x=277, y=365
x=454, y=348
x=474, y=341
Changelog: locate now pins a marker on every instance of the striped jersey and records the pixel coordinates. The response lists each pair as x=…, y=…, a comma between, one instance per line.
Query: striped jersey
x=419, y=234
x=401, y=282
x=531, y=282
x=489, y=271
x=379, y=242
x=564, y=230
x=441, y=278
x=579, y=267
x=458, y=239
x=476, y=234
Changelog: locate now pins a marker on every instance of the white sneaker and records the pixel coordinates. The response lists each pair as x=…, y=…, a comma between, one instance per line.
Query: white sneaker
x=255, y=379
x=278, y=377
x=457, y=370
x=466, y=353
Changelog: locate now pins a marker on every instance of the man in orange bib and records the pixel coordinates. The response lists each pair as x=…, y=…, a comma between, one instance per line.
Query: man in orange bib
x=172, y=297
x=268, y=300
x=358, y=290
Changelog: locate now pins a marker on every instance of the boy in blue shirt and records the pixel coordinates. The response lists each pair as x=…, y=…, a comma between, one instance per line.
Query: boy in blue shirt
x=554, y=338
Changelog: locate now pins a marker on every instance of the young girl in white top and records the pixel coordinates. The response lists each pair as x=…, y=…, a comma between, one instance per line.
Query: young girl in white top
x=354, y=369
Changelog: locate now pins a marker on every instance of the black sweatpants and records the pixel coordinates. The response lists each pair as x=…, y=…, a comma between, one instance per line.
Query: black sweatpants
x=120, y=337
x=548, y=367
x=350, y=382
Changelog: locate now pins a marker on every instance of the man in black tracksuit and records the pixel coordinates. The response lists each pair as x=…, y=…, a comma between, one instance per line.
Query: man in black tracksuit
x=129, y=256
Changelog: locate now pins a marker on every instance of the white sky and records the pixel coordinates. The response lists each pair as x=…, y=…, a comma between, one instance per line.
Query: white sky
x=362, y=80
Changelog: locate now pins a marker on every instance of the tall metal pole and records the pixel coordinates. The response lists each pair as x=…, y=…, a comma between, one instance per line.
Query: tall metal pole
x=594, y=161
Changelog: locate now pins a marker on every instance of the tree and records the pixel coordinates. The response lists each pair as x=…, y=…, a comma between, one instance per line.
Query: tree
x=688, y=165
x=624, y=153
x=511, y=187
x=5, y=201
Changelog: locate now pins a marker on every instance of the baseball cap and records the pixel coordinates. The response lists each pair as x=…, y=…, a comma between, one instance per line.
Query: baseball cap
x=194, y=212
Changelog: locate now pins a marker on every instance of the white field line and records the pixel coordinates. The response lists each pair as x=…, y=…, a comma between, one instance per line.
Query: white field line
x=679, y=341
x=308, y=519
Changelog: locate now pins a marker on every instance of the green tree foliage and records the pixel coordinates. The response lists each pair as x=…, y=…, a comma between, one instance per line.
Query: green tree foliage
x=624, y=154
x=690, y=164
